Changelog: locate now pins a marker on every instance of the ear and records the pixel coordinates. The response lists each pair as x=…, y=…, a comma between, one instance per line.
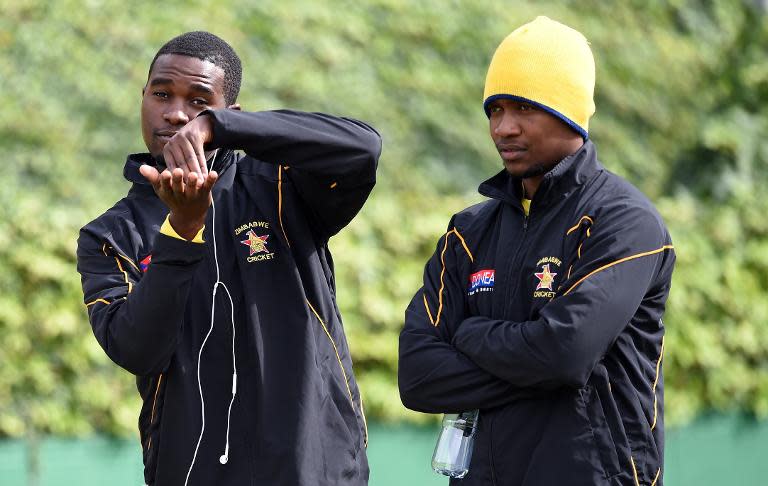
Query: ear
x=234, y=106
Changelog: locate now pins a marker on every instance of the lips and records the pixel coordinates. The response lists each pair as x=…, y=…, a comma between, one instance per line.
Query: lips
x=511, y=151
x=165, y=134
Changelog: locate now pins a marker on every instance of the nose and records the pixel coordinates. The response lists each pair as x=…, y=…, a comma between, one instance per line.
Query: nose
x=507, y=124
x=176, y=115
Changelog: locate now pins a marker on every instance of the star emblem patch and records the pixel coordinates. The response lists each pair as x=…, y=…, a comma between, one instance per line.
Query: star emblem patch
x=546, y=278
x=255, y=243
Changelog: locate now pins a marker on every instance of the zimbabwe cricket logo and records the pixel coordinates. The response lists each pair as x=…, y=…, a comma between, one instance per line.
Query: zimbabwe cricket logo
x=257, y=247
x=546, y=278
x=546, y=283
x=255, y=243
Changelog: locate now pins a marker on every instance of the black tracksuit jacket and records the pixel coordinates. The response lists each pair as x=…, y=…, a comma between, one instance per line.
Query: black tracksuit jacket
x=297, y=417
x=551, y=325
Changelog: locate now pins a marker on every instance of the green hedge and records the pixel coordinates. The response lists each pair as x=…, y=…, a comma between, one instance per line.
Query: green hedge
x=682, y=111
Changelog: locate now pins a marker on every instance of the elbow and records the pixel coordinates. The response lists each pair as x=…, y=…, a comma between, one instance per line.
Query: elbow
x=409, y=399
x=361, y=149
x=369, y=138
x=573, y=373
x=375, y=147
x=574, y=380
x=362, y=141
x=371, y=148
x=409, y=391
x=413, y=398
x=414, y=391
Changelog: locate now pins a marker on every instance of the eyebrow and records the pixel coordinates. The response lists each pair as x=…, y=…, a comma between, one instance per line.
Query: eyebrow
x=156, y=81
x=195, y=86
x=202, y=87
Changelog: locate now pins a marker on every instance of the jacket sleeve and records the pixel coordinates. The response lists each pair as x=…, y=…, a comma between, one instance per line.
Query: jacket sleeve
x=620, y=262
x=137, y=319
x=331, y=161
x=433, y=376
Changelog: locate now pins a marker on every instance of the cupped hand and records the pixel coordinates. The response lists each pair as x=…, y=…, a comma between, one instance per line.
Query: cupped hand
x=188, y=201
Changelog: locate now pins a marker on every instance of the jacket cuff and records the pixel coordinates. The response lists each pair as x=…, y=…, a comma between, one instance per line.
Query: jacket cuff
x=168, y=230
x=218, y=128
x=176, y=252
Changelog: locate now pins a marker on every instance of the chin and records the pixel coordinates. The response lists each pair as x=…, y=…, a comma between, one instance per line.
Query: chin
x=157, y=156
x=515, y=171
x=156, y=150
x=536, y=170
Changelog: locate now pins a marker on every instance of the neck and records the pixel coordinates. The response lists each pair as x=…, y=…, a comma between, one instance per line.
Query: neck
x=530, y=185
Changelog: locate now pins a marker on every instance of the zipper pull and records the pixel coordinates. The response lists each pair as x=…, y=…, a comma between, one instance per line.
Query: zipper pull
x=525, y=222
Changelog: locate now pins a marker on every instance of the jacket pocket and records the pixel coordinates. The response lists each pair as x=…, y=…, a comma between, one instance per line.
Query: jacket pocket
x=345, y=409
x=149, y=423
x=337, y=380
x=601, y=431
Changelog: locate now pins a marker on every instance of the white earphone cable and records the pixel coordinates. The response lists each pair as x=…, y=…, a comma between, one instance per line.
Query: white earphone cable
x=225, y=457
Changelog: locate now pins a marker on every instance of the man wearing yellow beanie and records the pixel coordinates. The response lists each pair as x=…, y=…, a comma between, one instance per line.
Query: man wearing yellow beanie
x=542, y=307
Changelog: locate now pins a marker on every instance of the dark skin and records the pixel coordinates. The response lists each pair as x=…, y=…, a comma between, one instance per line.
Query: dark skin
x=530, y=140
x=178, y=89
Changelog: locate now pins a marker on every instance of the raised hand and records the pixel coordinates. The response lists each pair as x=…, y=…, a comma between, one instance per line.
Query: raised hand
x=188, y=201
x=185, y=149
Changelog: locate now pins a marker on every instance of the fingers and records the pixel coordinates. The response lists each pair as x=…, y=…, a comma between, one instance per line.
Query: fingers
x=179, y=155
x=198, y=132
x=194, y=182
x=150, y=174
x=202, y=161
x=172, y=182
x=193, y=155
x=177, y=181
x=185, y=151
x=191, y=198
x=209, y=181
x=164, y=184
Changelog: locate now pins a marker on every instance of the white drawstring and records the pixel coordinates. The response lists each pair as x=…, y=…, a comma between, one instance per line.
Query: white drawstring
x=224, y=457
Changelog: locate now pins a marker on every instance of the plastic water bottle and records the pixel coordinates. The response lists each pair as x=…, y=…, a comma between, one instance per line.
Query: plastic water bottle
x=453, y=450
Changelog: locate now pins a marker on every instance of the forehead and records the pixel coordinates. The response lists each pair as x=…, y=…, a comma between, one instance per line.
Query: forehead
x=186, y=71
x=510, y=102
x=542, y=113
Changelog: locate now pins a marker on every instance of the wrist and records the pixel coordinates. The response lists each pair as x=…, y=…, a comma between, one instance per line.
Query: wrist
x=186, y=227
x=206, y=126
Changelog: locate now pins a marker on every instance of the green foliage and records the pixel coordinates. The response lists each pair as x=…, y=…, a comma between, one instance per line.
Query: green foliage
x=682, y=111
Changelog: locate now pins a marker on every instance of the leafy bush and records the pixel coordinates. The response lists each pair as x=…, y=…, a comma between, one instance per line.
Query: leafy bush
x=682, y=101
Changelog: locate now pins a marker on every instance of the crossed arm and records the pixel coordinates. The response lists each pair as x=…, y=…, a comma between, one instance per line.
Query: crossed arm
x=479, y=362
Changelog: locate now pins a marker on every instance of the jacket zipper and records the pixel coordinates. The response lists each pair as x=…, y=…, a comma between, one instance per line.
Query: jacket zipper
x=512, y=289
x=490, y=453
x=508, y=294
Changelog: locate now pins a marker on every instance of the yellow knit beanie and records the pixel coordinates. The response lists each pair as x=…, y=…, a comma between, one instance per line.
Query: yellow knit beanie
x=549, y=65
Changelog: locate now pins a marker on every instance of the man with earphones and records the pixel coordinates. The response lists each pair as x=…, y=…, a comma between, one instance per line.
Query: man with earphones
x=212, y=282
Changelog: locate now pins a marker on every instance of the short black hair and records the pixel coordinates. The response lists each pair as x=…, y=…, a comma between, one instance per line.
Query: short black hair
x=208, y=47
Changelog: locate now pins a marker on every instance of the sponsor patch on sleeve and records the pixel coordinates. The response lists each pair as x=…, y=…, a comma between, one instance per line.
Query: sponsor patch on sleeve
x=144, y=264
x=481, y=281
